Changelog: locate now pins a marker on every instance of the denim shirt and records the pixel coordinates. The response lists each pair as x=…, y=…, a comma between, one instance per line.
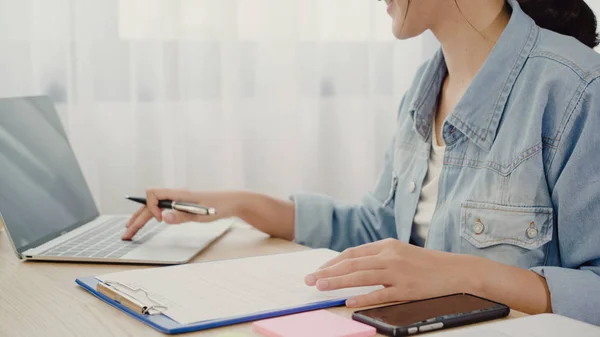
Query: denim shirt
x=520, y=183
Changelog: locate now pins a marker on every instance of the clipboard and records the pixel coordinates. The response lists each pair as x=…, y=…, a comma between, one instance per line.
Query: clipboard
x=143, y=311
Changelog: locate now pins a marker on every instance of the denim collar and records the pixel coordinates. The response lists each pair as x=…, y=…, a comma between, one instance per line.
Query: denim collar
x=478, y=113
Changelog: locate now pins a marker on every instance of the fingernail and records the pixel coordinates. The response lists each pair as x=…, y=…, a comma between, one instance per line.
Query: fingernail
x=350, y=303
x=169, y=217
x=322, y=284
x=310, y=280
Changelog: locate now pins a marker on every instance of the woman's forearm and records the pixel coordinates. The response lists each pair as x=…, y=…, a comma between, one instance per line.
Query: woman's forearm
x=520, y=289
x=270, y=215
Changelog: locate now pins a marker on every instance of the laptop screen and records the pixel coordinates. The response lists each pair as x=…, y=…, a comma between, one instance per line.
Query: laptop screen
x=42, y=190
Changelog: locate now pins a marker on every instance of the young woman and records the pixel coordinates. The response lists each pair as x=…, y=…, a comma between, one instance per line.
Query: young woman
x=491, y=185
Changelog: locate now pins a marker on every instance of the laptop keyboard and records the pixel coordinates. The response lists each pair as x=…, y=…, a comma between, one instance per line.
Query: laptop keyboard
x=104, y=240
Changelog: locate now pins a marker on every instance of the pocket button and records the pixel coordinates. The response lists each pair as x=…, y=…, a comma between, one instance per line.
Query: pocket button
x=478, y=227
x=532, y=231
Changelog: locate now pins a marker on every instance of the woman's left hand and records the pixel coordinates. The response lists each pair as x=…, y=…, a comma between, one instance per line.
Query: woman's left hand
x=407, y=273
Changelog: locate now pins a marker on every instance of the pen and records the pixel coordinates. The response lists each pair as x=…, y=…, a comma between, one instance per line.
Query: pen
x=179, y=206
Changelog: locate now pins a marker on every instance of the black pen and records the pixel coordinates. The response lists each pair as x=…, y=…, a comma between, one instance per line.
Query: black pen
x=179, y=206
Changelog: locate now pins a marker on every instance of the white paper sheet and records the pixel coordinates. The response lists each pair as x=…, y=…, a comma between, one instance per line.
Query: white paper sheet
x=231, y=288
x=545, y=325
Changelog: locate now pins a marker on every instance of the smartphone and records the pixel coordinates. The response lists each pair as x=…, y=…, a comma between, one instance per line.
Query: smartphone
x=437, y=313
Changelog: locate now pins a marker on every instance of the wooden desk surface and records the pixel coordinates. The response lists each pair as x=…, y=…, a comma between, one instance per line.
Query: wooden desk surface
x=42, y=299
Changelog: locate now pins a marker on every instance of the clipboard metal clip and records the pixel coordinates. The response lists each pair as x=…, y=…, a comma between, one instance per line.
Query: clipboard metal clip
x=111, y=290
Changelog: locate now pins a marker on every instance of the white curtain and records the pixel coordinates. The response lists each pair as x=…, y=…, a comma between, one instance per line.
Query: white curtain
x=276, y=96
x=595, y=6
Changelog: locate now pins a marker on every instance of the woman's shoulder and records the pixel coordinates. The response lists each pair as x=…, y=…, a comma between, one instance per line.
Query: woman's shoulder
x=557, y=55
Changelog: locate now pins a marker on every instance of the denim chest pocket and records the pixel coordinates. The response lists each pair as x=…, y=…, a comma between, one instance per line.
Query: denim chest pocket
x=512, y=235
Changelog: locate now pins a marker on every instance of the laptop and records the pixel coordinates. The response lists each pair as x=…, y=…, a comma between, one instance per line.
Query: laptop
x=47, y=208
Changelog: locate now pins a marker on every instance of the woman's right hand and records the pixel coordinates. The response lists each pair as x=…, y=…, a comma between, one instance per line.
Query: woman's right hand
x=226, y=204
x=272, y=216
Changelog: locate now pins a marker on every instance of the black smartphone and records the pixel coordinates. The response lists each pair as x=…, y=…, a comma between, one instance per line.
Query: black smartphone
x=437, y=313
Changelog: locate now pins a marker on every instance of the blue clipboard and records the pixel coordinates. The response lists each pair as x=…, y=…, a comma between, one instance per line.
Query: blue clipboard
x=166, y=325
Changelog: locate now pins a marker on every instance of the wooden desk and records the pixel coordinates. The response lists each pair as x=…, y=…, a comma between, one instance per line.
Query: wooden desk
x=42, y=299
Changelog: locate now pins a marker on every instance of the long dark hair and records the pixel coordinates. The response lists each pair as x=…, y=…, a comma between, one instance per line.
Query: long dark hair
x=568, y=17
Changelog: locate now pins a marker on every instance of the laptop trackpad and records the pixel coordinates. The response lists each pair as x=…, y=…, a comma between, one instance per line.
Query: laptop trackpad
x=178, y=243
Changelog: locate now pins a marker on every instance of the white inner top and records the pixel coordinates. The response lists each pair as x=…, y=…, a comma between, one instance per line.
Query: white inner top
x=429, y=192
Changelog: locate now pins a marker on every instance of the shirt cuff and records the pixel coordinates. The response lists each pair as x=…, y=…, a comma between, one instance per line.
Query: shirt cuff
x=313, y=220
x=574, y=293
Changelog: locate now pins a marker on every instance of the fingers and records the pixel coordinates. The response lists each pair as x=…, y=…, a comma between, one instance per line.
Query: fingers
x=139, y=222
x=135, y=216
x=363, y=278
x=176, y=217
x=346, y=267
x=152, y=204
x=381, y=296
x=355, y=252
x=154, y=195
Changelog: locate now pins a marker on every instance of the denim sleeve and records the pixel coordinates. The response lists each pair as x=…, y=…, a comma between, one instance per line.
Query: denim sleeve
x=575, y=288
x=320, y=222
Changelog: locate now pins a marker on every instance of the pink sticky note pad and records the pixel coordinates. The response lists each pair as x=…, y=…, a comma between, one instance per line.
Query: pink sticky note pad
x=319, y=323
